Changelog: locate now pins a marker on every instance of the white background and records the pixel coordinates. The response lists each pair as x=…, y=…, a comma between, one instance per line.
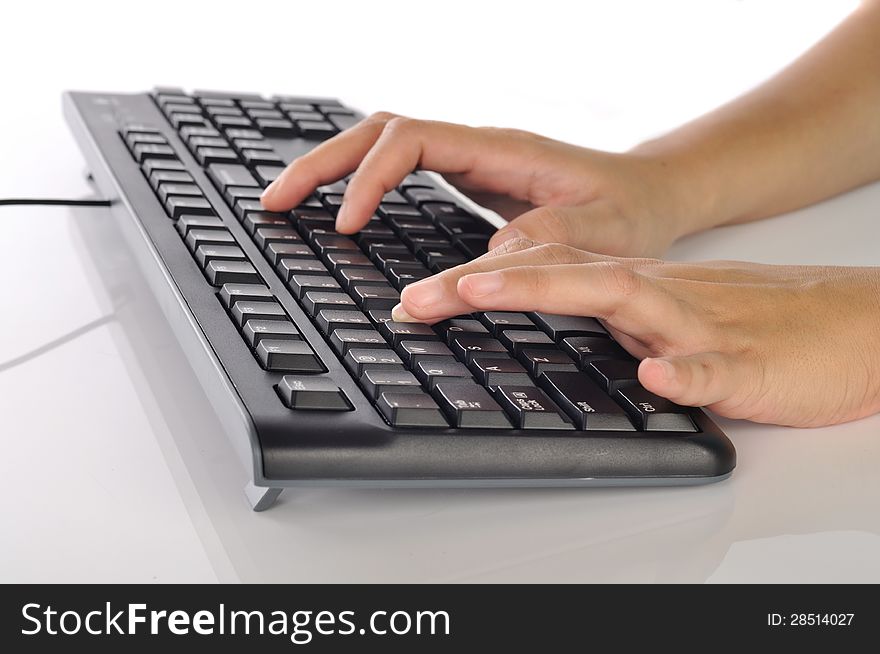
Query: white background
x=601, y=73
x=112, y=468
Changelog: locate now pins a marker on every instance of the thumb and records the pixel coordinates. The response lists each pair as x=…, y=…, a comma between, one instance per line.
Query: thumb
x=545, y=225
x=696, y=380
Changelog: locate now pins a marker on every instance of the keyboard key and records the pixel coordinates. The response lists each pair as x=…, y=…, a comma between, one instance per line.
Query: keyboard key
x=315, y=301
x=302, y=284
x=357, y=360
x=330, y=319
x=448, y=329
x=378, y=381
x=559, y=327
x=208, y=156
x=243, y=133
x=448, y=256
x=208, y=142
x=347, y=259
x=412, y=352
x=243, y=311
x=158, y=177
x=260, y=219
x=419, y=195
x=276, y=127
x=654, y=413
x=275, y=252
x=152, y=165
x=497, y=371
x=182, y=107
x=473, y=245
x=233, y=194
x=469, y=405
x=396, y=332
x=539, y=361
x=207, y=253
x=229, y=123
x=264, y=236
x=375, y=297
x=410, y=409
x=586, y=349
x=517, y=340
x=252, y=144
x=265, y=113
x=178, y=205
x=303, y=265
x=498, y=321
x=314, y=129
x=342, y=340
x=232, y=293
x=188, y=222
x=231, y=272
x=245, y=206
x=224, y=175
x=378, y=316
x=333, y=242
x=343, y=122
x=587, y=404
x=529, y=408
x=614, y=374
x=312, y=393
x=431, y=371
x=198, y=237
x=277, y=330
x=268, y=174
x=144, y=151
x=400, y=275
x=257, y=157
x=288, y=356
x=195, y=131
x=467, y=346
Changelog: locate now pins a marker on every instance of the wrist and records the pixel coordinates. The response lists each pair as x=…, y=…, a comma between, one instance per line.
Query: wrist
x=692, y=196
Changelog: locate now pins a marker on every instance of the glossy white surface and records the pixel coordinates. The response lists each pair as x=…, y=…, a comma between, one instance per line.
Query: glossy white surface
x=114, y=468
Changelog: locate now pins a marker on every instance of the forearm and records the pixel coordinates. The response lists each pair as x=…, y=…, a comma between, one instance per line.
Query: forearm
x=809, y=133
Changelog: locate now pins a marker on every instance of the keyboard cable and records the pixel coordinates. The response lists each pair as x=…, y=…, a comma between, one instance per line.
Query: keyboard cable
x=56, y=202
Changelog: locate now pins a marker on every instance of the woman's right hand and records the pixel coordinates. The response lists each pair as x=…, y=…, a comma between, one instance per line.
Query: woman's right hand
x=549, y=191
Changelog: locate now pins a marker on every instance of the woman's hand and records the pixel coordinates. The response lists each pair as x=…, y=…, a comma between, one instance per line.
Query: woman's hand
x=790, y=345
x=551, y=191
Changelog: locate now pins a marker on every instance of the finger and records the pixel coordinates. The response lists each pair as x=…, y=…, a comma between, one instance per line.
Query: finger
x=696, y=380
x=566, y=225
x=616, y=294
x=329, y=162
x=437, y=297
x=495, y=159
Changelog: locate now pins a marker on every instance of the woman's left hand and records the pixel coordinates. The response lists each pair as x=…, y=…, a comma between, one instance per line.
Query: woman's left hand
x=790, y=345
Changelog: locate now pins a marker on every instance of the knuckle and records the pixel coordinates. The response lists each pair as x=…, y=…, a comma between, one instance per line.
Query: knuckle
x=556, y=253
x=619, y=280
x=400, y=124
x=381, y=117
x=516, y=244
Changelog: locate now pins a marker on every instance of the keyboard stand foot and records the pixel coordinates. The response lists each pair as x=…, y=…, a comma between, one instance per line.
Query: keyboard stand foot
x=260, y=497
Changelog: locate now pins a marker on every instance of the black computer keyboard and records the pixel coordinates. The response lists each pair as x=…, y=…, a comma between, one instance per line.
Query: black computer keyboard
x=288, y=322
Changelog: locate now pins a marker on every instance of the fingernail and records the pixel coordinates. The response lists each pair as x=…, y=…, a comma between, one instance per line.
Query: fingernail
x=666, y=368
x=269, y=191
x=342, y=216
x=424, y=294
x=399, y=314
x=481, y=284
